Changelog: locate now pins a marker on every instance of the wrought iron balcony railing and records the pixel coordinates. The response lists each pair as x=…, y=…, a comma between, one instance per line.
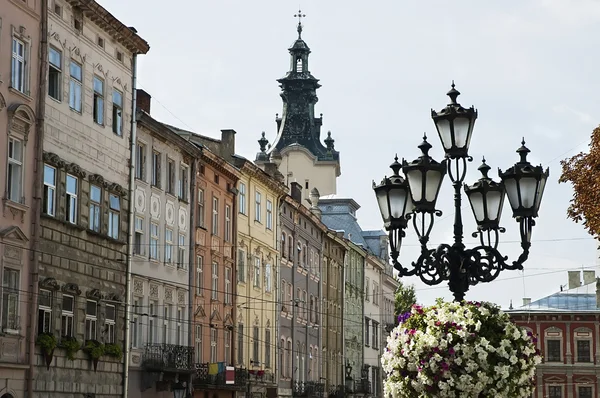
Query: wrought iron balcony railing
x=308, y=389
x=203, y=379
x=337, y=392
x=261, y=376
x=168, y=358
x=363, y=386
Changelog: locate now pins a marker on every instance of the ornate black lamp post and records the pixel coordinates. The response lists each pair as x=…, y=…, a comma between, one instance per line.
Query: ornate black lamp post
x=414, y=197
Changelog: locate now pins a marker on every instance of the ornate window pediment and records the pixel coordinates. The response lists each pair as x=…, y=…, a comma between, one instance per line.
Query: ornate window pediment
x=200, y=311
x=71, y=288
x=49, y=284
x=215, y=316
x=94, y=294
x=21, y=118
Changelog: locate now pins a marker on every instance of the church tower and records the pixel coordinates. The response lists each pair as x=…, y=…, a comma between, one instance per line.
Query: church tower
x=301, y=155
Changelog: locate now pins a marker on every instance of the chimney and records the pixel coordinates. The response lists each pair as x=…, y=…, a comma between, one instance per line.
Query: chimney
x=227, y=144
x=574, y=279
x=526, y=301
x=143, y=100
x=314, y=202
x=589, y=277
x=296, y=191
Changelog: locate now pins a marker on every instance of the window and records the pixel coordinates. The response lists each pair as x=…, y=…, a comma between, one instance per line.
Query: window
x=113, y=216
x=228, y=286
x=376, y=293
x=311, y=308
x=91, y=319
x=152, y=335
x=584, y=392
x=71, y=215
x=213, y=345
x=75, y=86
x=555, y=392
x=255, y=346
x=136, y=327
x=166, y=327
x=111, y=317
x=215, y=217
x=240, y=343
x=201, y=207
x=140, y=161
x=156, y=169
x=267, y=348
x=170, y=176
x=257, y=207
x=583, y=350
x=67, y=324
x=242, y=198
x=14, y=183
x=283, y=252
x=282, y=357
x=181, y=252
x=215, y=281
x=98, y=100
x=289, y=359
x=375, y=335
x=553, y=348
x=54, y=73
x=256, y=271
x=168, y=246
x=18, y=75
x=227, y=223
x=179, y=331
x=49, y=190
x=117, y=112
x=45, y=311
x=216, y=179
x=199, y=276
x=367, y=329
x=268, y=280
x=95, y=203
x=241, y=271
x=10, y=299
x=183, y=182
x=138, y=239
x=154, y=241
x=367, y=288
x=198, y=343
x=100, y=41
x=227, y=343
x=269, y=214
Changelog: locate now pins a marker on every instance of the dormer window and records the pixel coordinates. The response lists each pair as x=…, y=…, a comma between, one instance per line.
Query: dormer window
x=299, y=65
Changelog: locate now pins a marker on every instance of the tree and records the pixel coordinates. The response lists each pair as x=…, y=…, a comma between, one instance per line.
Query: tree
x=404, y=298
x=583, y=171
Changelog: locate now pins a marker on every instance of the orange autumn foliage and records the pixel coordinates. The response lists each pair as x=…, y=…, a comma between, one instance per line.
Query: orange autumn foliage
x=583, y=171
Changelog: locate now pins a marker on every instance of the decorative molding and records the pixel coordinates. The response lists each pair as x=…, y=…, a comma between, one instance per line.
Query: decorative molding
x=53, y=159
x=94, y=294
x=50, y=284
x=96, y=179
x=74, y=168
x=200, y=311
x=168, y=294
x=77, y=52
x=181, y=296
x=2, y=102
x=71, y=288
x=13, y=252
x=115, y=297
x=138, y=287
x=116, y=188
x=56, y=36
x=100, y=69
x=153, y=291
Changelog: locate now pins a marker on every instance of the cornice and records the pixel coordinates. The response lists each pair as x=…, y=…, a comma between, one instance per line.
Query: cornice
x=168, y=135
x=254, y=171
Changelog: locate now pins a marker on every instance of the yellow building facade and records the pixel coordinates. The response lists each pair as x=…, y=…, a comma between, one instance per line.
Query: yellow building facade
x=258, y=195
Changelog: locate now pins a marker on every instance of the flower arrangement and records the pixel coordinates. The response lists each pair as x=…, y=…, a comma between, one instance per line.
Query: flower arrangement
x=113, y=350
x=71, y=346
x=465, y=350
x=94, y=349
x=47, y=343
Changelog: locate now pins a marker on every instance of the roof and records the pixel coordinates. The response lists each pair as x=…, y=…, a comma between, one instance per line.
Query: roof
x=579, y=299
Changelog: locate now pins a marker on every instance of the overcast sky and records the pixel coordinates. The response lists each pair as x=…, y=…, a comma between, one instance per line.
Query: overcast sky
x=529, y=67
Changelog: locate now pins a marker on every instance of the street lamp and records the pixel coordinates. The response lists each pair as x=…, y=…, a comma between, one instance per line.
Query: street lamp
x=414, y=199
x=349, y=379
x=178, y=390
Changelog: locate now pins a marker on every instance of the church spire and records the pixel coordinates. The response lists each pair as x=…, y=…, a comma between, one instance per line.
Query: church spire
x=300, y=16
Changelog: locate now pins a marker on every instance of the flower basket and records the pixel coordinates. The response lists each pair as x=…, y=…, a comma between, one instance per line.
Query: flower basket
x=95, y=350
x=113, y=350
x=71, y=346
x=47, y=343
x=468, y=349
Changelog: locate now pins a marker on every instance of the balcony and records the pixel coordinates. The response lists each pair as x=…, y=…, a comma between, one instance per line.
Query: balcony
x=168, y=358
x=203, y=380
x=261, y=376
x=363, y=387
x=336, y=392
x=308, y=389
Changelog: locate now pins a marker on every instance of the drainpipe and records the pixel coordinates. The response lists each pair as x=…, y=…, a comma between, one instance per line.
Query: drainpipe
x=130, y=232
x=191, y=263
x=37, y=193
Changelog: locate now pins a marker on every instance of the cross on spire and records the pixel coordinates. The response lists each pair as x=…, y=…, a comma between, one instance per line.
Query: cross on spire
x=299, y=16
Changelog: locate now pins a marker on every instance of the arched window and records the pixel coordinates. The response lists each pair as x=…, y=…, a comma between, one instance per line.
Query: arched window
x=302, y=377
x=299, y=65
x=282, y=357
x=283, y=245
x=289, y=359
x=290, y=252
x=310, y=363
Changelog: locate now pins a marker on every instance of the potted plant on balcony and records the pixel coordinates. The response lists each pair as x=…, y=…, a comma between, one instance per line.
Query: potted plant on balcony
x=466, y=349
x=47, y=343
x=113, y=350
x=95, y=350
x=71, y=346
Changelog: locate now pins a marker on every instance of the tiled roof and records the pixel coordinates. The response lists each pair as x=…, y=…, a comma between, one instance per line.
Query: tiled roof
x=582, y=298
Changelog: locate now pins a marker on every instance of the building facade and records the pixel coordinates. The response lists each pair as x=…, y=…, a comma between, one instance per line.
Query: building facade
x=300, y=339
x=20, y=96
x=258, y=257
x=567, y=329
x=305, y=159
x=85, y=202
x=373, y=320
x=165, y=164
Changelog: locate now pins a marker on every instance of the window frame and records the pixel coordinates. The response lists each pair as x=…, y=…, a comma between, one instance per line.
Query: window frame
x=138, y=237
x=17, y=58
x=67, y=317
x=213, y=344
x=15, y=164
x=114, y=217
x=201, y=208
x=98, y=100
x=257, y=271
x=117, y=113
x=95, y=210
x=57, y=71
x=257, y=206
x=71, y=200
x=168, y=246
x=50, y=192
x=91, y=321
x=11, y=295
x=198, y=340
x=214, y=289
x=75, y=85
x=269, y=215
x=45, y=312
x=183, y=183
x=154, y=238
x=181, y=251
x=156, y=168
x=215, y=216
x=171, y=174
x=140, y=161
x=227, y=223
x=110, y=324
x=199, y=275
x=242, y=198
x=228, y=290
x=255, y=346
x=241, y=271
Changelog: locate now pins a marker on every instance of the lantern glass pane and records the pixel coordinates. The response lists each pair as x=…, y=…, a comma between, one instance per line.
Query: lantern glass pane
x=494, y=203
x=443, y=127
x=382, y=201
x=461, y=131
x=476, y=199
x=528, y=191
x=540, y=192
x=433, y=181
x=415, y=181
x=512, y=192
x=398, y=197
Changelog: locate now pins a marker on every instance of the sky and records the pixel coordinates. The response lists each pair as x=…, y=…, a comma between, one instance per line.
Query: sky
x=529, y=67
